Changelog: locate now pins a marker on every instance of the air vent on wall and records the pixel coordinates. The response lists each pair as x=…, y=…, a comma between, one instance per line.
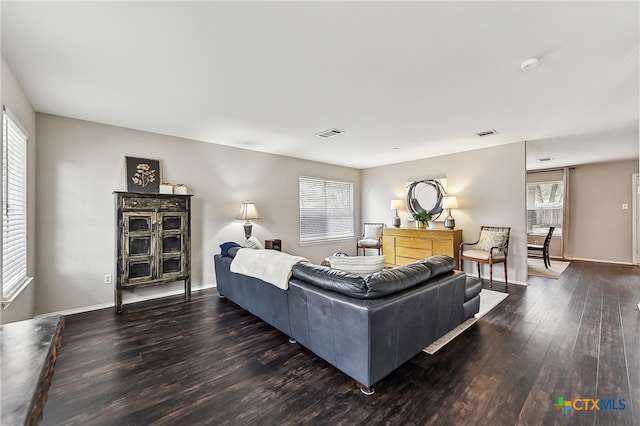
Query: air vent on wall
x=330, y=133
x=487, y=133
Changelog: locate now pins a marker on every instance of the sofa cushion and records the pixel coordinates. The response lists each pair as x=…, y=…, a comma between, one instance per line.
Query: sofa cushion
x=396, y=279
x=361, y=265
x=374, y=285
x=439, y=264
x=330, y=279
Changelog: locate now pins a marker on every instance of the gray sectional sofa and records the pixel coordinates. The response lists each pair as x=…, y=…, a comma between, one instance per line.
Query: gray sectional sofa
x=364, y=326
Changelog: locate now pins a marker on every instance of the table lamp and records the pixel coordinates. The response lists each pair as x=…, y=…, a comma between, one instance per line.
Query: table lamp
x=248, y=212
x=449, y=202
x=395, y=205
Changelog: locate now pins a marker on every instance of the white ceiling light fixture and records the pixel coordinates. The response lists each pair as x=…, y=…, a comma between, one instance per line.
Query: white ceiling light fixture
x=529, y=64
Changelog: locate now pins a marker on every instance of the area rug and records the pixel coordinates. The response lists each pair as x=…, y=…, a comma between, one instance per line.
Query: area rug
x=537, y=269
x=489, y=299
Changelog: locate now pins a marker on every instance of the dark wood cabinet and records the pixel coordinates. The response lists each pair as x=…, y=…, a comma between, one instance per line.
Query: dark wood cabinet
x=153, y=241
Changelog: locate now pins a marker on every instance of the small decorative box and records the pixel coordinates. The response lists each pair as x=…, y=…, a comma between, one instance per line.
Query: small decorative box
x=180, y=189
x=166, y=188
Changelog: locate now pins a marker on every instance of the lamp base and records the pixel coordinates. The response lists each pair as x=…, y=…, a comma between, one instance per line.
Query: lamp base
x=449, y=223
x=396, y=221
x=247, y=230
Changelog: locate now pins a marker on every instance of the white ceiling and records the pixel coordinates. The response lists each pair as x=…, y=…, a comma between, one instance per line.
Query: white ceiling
x=404, y=80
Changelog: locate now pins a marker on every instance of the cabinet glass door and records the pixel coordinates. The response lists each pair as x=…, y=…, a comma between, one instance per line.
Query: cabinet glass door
x=172, y=225
x=139, y=242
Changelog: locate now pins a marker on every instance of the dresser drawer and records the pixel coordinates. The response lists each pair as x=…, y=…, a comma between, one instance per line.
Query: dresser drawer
x=413, y=253
x=141, y=203
x=414, y=243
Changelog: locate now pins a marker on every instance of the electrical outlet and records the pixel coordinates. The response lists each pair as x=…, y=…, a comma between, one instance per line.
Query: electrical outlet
x=107, y=279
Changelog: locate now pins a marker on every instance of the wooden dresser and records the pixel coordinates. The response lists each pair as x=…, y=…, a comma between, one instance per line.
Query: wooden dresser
x=406, y=245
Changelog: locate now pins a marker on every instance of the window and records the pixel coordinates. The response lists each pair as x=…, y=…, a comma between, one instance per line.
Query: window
x=545, y=205
x=14, y=207
x=326, y=209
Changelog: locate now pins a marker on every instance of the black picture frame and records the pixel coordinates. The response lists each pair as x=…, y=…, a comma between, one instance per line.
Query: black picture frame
x=143, y=175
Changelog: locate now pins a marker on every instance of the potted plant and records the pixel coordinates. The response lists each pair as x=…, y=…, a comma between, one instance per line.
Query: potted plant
x=422, y=218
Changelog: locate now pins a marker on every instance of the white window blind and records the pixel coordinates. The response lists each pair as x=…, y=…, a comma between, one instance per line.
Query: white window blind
x=14, y=207
x=326, y=209
x=545, y=205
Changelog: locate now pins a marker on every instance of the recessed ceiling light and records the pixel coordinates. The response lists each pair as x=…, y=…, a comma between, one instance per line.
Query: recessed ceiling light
x=529, y=64
x=487, y=133
x=330, y=133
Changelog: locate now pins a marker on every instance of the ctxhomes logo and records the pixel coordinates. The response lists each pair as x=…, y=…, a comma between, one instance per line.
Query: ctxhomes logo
x=588, y=404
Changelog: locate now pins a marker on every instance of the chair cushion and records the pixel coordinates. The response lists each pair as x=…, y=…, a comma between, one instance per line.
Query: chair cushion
x=361, y=265
x=367, y=242
x=490, y=239
x=482, y=254
x=372, y=232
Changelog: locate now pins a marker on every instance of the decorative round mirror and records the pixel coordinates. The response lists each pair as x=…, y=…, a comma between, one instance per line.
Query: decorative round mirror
x=425, y=195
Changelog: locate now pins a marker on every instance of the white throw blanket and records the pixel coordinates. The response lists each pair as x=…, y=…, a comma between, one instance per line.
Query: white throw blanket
x=271, y=266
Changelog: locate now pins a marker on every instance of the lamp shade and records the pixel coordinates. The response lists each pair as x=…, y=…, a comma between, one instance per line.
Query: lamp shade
x=449, y=202
x=397, y=204
x=248, y=211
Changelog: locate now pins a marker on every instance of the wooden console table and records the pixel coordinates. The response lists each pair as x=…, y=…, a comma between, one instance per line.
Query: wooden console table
x=29, y=352
x=402, y=246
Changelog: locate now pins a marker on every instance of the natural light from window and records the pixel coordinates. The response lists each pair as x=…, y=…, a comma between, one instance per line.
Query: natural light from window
x=326, y=210
x=545, y=207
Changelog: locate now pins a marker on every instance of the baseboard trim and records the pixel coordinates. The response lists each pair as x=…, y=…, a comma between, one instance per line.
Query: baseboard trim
x=133, y=299
x=614, y=262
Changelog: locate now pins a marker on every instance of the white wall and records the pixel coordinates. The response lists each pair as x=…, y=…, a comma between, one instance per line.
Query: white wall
x=600, y=230
x=14, y=98
x=489, y=184
x=81, y=163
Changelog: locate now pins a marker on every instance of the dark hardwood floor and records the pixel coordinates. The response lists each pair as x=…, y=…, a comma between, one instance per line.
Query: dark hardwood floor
x=209, y=362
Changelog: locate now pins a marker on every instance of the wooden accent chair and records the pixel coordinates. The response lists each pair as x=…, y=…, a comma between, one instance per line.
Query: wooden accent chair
x=543, y=248
x=491, y=247
x=371, y=238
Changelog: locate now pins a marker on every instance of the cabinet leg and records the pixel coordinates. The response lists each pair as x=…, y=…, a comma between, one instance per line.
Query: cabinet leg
x=118, y=297
x=187, y=288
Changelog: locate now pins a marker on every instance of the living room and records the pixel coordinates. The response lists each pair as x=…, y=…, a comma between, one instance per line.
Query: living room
x=80, y=163
x=77, y=161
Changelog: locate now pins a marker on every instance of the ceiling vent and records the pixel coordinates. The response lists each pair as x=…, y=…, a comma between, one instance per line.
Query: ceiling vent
x=330, y=133
x=487, y=133
x=543, y=159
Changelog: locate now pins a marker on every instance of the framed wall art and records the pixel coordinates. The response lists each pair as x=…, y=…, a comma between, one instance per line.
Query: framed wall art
x=143, y=175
